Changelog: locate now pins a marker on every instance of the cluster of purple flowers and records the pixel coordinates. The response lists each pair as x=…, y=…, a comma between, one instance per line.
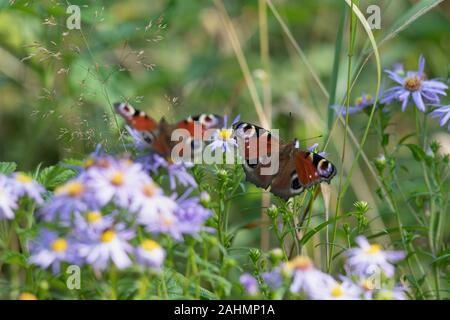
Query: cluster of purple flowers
x=102, y=209
x=15, y=187
x=369, y=268
x=410, y=86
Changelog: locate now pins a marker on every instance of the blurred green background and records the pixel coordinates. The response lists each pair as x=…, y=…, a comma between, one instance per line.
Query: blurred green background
x=174, y=58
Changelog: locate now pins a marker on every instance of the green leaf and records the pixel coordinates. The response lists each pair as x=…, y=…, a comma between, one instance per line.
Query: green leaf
x=13, y=257
x=416, y=151
x=7, y=167
x=418, y=10
x=54, y=176
x=316, y=229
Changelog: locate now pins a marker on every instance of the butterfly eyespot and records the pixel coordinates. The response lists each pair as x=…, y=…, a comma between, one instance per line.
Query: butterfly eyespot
x=324, y=168
x=124, y=109
x=148, y=137
x=246, y=131
x=295, y=183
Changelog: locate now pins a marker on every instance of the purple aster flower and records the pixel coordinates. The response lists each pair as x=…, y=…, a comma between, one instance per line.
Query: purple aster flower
x=26, y=186
x=8, y=198
x=249, y=283
x=69, y=198
x=111, y=244
x=50, y=250
x=150, y=254
x=362, y=102
x=414, y=85
x=191, y=215
x=223, y=138
x=116, y=182
x=273, y=278
x=442, y=112
x=177, y=172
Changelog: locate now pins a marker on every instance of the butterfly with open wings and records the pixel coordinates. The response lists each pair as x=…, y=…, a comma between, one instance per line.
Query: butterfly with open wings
x=297, y=169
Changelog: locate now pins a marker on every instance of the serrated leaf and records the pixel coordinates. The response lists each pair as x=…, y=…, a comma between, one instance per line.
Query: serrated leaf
x=54, y=176
x=7, y=167
x=12, y=257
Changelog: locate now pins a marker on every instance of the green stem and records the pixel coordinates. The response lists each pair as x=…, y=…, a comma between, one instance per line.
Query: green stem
x=339, y=198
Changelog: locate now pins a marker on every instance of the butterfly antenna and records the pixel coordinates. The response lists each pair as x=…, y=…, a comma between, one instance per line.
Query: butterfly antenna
x=316, y=137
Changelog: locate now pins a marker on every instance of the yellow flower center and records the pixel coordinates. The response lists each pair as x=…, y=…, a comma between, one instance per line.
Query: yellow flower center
x=150, y=245
x=359, y=101
x=413, y=83
x=337, y=291
x=108, y=236
x=367, y=285
x=59, y=245
x=225, y=134
x=167, y=221
x=374, y=248
x=300, y=263
x=23, y=178
x=89, y=163
x=149, y=190
x=73, y=189
x=27, y=296
x=93, y=216
x=118, y=179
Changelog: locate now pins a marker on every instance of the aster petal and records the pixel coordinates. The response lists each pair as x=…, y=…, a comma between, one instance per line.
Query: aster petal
x=418, y=101
x=421, y=66
x=404, y=101
x=435, y=84
x=362, y=242
x=394, y=76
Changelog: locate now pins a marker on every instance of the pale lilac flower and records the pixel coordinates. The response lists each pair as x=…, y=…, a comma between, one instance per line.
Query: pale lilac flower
x=138, y=138
x=442, y=112
x=367, y=258
x=93, y=220
x=396, y=293
x=68, y=199
x=150, y=254
x=305, y=276
x=26, y=186
x=273, y=279
x=116, y=183
x=111, y=244
x=8, y=198
x=177, y=172
x=330, y=289
x=223, y=138
x=414, y=85
x=249, y=283
x=314, y=147
x=50, y=250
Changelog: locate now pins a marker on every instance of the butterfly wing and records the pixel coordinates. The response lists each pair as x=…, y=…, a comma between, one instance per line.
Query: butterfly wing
x=254, y=141
x=135, y=118
x=297, y=169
